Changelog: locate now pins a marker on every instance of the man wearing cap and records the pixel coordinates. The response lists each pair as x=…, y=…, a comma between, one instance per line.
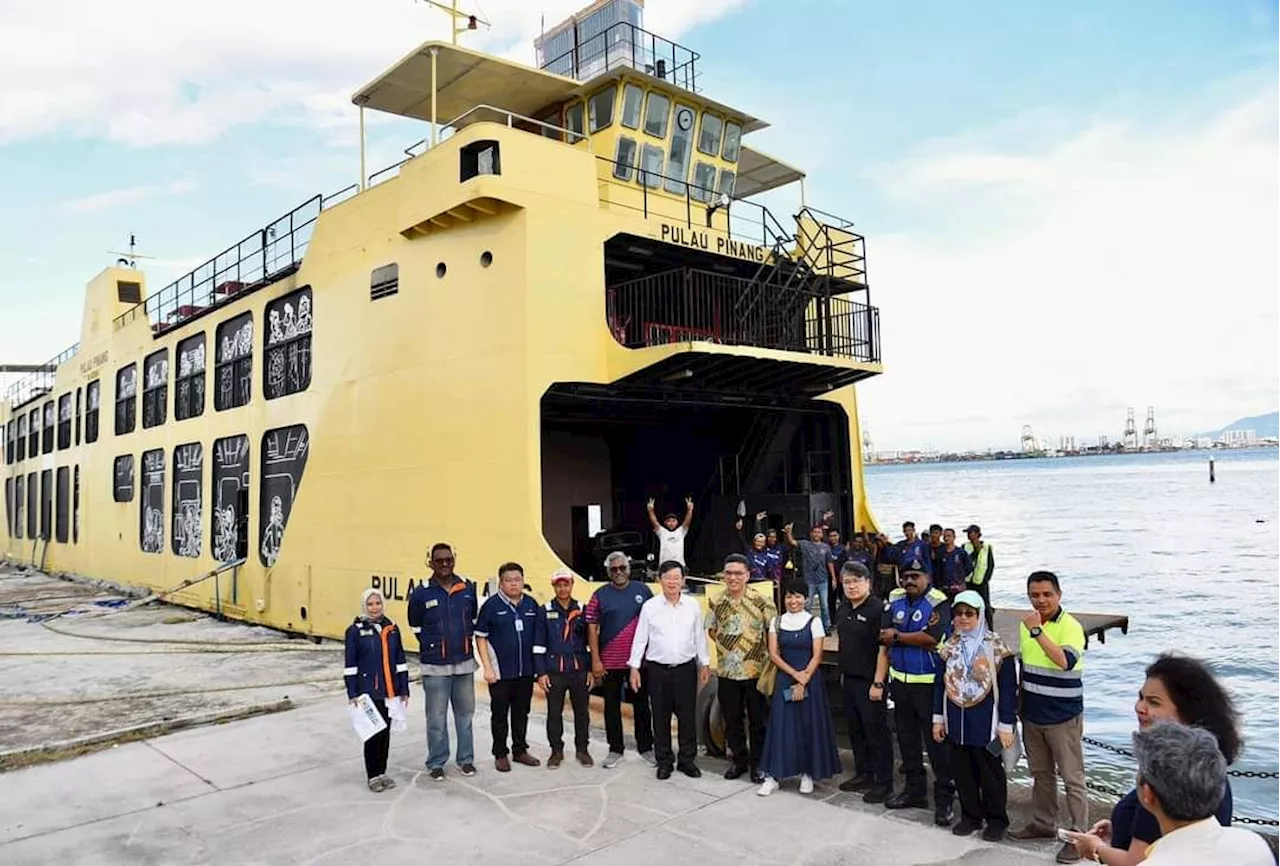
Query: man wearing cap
x=915, y=620
x=982, y=559
x=612, y=615
x=913, y=546
x=671, y=531
x=864, y=668
x=738, y=625
x=562, y=665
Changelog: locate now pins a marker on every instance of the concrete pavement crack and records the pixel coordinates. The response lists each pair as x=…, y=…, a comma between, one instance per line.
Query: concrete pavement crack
x=174, y=760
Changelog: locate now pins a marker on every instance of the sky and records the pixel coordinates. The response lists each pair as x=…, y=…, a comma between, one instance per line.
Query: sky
x=1070, y=209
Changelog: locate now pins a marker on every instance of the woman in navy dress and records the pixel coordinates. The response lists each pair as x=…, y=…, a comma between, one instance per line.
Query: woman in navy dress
x=801, y=740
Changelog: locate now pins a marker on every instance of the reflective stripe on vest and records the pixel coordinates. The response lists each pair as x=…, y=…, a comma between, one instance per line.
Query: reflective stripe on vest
x=911, y=678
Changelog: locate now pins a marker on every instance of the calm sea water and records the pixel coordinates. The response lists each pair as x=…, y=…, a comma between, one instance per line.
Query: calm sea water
x=1193, y=564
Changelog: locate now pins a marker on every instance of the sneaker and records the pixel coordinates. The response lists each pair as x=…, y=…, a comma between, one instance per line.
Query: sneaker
x=556, y=759
x=648, y=758
x=1068, y=854
x=584, y=758
x=437, y=774
x=612, y=760
x=806, y=784
x=388, y=782
x=375, y=784
x=467, y=769
x=768, y=786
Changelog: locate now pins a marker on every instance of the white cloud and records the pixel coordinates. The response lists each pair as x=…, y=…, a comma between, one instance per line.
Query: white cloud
x=1123, y=265
x=127, y=195
x=144, y=74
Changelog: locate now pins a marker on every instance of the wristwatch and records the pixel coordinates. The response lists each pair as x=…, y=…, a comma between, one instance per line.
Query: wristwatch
x=877, y=685
x=1036, y=632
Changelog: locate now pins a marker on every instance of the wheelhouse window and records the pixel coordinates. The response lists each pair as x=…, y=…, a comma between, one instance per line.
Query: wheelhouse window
x=651, y=165
x=151, y=505
x=188, y=496
x=656, y=113
x=122, y=479
x=710, y=133
x=126, y=399
x=732, y=142
x=600, y=109
x=632, y=99
x=573, y=121
x=188, y=401
x=64, y=422
x=681, y=145
x=48, y=428
x=234, y=370
x=288, y=353
x=231, y=498
x=20, y=441
x=726, y=182
x=704, y=182
x=93, y=400
x=624, y=162
x=155, y=389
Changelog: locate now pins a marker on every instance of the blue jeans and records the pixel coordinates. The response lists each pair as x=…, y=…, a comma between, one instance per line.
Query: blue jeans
x=439, y=692
x=823, y=610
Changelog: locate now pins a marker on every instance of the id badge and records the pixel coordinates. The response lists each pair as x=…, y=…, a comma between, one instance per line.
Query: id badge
x=519, y=625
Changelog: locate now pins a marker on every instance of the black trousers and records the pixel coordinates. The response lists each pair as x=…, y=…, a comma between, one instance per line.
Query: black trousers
x=868, y=725
x=575, y=683
x=510, y=698
x=980, y=784
x=913, y=719
x=674, y=690
x=739, y=699
x=377, y=746
x=614, y=684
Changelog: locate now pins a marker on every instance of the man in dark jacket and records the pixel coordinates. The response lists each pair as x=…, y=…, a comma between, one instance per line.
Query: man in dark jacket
x=506, y=632
x=562, y=664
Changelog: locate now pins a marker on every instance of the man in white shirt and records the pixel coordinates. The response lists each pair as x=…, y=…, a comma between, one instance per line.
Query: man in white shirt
x=671, y=532
x=670, y=643
x=1181, y=778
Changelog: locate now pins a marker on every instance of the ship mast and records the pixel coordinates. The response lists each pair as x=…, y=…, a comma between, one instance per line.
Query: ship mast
x=471, y=21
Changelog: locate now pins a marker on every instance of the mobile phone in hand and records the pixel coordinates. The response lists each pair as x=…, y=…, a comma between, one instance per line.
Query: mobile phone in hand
x=1068, y=836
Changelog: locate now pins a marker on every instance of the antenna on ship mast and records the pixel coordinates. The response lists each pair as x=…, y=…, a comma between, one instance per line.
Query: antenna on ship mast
x=471, y=22
x=129, y=259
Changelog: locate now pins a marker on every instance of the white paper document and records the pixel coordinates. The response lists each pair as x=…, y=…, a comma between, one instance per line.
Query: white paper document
x=365, y=718
x=395, y=709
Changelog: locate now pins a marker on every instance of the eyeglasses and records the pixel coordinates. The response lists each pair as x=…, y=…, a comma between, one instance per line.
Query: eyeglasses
x=445, y=560
x=959, y=613
x=618, y=569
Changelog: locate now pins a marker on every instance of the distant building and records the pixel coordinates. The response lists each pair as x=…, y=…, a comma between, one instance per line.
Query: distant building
x=1239, y=438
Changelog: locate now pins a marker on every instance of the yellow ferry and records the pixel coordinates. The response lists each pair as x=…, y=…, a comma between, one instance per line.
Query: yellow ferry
x=564, y=301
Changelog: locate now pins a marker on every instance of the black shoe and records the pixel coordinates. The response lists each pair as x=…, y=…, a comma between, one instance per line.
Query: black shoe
x=690, y=770
x=757, y=777
x=437, y=774
x=942, y=815
x=735, y=771
x=907, y=801
x=664, y=772
x=994, y=832
x=965, y=827
x=857, y=783
x=877, y=794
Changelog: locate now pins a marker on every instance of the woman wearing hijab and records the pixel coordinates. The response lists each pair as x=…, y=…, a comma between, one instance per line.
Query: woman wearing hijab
x=375, y=666
x=974, y=706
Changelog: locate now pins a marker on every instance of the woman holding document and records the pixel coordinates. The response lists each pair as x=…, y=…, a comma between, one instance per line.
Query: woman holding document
x=376, y=672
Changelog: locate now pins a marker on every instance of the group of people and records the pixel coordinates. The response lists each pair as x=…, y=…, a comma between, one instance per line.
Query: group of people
x=958, y=695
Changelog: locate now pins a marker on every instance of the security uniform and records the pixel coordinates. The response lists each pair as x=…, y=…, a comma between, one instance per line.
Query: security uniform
x=510, y=630
x=560, y=652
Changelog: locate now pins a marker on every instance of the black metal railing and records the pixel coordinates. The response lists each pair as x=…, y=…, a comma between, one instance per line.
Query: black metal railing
x=625, y=45
x=36, y=385
x=686, y=304
x=833, y=248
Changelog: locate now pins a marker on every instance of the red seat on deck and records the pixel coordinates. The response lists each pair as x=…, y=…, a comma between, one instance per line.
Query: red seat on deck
x=230, y=287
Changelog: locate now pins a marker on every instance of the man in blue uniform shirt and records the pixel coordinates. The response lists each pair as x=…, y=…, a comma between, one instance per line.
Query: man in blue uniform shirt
x=563, y=665
x=505, y=637
x=915, y=620
x=913, y=546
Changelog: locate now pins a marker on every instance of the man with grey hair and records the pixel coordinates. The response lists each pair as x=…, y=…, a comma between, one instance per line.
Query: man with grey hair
x=612, y=615
x=1181, y=778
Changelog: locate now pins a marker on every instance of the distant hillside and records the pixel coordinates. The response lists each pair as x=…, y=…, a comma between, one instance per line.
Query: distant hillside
x=1263, y=425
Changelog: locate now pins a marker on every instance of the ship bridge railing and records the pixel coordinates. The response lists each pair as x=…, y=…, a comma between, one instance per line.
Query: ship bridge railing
x=40, y=382
x=629, y=46
x=265, y=256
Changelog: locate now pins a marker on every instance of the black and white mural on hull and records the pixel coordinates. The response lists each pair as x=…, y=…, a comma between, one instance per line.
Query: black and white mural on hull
x=231, y=498
x=288, y=367
x=188, y=468
x=152, y=507
x=284, y=459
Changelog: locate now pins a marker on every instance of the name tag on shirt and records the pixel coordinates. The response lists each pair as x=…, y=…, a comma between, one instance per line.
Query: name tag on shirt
x=553, y=616
x=430, y=604
x=519, y=625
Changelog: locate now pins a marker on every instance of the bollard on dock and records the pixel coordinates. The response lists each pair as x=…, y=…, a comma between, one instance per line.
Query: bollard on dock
x=1211, y=479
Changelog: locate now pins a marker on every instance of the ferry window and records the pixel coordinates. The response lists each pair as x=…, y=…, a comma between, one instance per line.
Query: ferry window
x=151, y=502
x=19, y=501
x=384, y=282
x=624, y=160
x=75, y=507
x=656, y=114
x=33, y=528
x=681, y=144
x=10, y=446
x=46, y=504
x=64, y=422
x=600, y=109
x=188, y=470
x=709, y=136
x=479, y=157
x=550, y=126
x=62, y=513
x=284, y=458
x=651, y=165
x=8, y=506
x=573, y=120
x=126, y=399
x=33, y=441
x=288, y=353
x=726, y=182
x=231, y=498
x=234, y=369
x=48, y=427
x=704, y=181
x=732, y=140
x=93, y=399
x=155, y=389
x=20, y=442
x=122, y=479
x=79, y=408
x=188, y=398
x=632, y=97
